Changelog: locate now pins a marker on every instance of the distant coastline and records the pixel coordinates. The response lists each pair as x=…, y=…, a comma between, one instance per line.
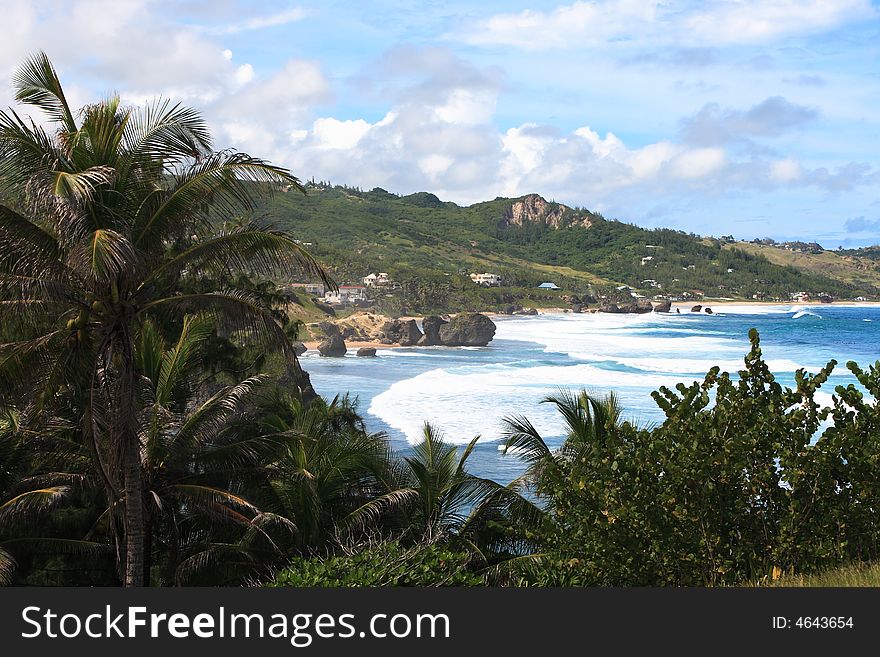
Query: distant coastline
x=682, y=306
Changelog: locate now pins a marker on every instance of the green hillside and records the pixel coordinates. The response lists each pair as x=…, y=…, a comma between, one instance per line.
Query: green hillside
x=528, y=241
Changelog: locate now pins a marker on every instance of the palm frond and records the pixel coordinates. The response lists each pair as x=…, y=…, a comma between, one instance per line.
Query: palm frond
x=232, y=310
x=206, y=422
x=177, y=362
x=32, y=501
x=36, y=83
x=522, y=437
x=232, y=183
x=165, y=132
x=103, y=256
x=247, y=249
x=26, y=151
x=374, y=509
x=81, y=186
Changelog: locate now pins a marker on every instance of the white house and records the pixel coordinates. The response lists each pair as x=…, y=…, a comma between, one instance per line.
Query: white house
x=646, y=260
x=347, y=294
x=486, y=279
x=314, y=289
x=548, y=286
x=376, y=280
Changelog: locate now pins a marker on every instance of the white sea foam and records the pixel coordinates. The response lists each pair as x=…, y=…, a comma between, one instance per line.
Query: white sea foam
x=600, y=336
x=473, y=400
x=629, y=354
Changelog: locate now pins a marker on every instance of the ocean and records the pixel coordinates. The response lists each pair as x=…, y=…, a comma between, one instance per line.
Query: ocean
x=467, y=391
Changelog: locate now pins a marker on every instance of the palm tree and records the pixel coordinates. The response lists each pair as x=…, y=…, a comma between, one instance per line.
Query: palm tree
x=434, y=497
x=102, y=221
x=38, y=473
x=326, y=466
x=196, y=459
x=589, y=422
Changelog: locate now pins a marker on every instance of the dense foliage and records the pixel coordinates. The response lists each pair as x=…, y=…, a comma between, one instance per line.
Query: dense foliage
x=385, y=563
x=738, y=483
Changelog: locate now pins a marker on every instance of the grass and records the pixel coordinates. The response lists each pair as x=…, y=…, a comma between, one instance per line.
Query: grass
x=845, y=268
x=853, y=575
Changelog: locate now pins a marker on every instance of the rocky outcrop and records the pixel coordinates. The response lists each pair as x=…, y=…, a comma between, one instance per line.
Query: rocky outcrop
x=406, y=333
x=299, y=349
x=467, y=330
x=367, y=351
x=535, y=209
x=431, y=326
x=663, y=307
x=334, y=344
x=708, y=311
x=527, y=311
x=696, y=308
x=638, y=307
x=297, y=379
x=576, y=308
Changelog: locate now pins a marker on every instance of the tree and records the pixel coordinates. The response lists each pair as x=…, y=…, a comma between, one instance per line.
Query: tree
x=195, y=459
x=433, y=497
x=102, y=220
x=325, y=466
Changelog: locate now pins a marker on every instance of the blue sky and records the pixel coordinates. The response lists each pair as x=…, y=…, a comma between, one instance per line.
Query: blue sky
x=752, y=117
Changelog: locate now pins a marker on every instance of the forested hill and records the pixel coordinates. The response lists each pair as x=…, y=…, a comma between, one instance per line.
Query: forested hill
x=529, y=240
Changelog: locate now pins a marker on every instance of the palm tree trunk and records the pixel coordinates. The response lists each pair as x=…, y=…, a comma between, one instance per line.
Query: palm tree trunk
x=148, y=551
x=134, y=519
x=127, y=439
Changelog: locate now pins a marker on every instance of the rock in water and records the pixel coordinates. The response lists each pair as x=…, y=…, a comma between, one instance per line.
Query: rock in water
x=431, y=326
x=333, y=346
x=708, y=311
x=405, y=333
x=366, y=351
x=696, y=308
x=299, y=348
x=637, y=307
x=610, y=308
x=467, y=330
x=663, y=307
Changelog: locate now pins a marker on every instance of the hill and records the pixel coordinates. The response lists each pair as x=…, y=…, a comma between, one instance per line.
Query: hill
x=862, y=270
x=529, y=240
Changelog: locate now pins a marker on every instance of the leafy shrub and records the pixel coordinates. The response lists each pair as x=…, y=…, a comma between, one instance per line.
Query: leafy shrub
x=732, y=486
x=387, y=563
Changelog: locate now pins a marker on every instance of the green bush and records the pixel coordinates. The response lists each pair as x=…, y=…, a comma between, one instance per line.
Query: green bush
x=735, y=485
x=388, y=563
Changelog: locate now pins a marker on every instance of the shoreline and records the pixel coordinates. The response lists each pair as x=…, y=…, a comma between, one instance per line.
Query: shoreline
x=312, y=345
x=684, y=306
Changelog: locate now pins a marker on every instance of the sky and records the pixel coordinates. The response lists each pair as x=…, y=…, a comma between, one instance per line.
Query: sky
x=757, y=118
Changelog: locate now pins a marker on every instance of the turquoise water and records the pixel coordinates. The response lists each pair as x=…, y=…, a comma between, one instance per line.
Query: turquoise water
x=467, y=391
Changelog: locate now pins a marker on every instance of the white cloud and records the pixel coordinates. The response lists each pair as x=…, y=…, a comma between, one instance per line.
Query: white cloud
x=786, y=171
x=584, y=22
x=244, y=74
x=713, y=23
x=332, y=133
x=762, y=21
x=467, y=107
x=259, y=22
x=698, y=163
